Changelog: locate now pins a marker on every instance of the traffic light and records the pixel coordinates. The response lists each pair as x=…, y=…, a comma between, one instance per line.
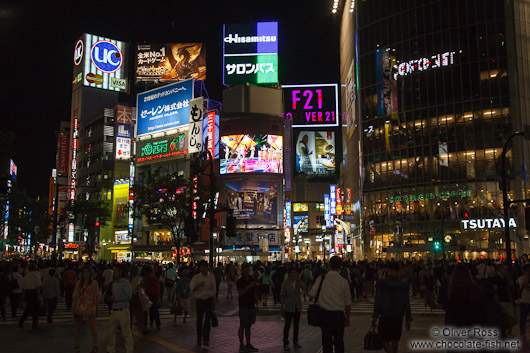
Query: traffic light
x=97, y=223
x=437, y=245
x=230, y=225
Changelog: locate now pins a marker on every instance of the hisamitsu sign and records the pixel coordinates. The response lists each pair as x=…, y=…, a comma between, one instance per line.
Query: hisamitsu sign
x=164, y=108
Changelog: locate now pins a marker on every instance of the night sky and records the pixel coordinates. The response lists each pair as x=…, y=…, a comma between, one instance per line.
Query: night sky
x=38, y=40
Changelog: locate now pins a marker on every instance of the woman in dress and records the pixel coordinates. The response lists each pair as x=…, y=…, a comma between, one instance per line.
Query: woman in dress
x=85, y=305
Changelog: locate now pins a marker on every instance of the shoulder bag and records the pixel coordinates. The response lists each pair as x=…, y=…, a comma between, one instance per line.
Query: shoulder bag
x=314, y=311
x=373, y=340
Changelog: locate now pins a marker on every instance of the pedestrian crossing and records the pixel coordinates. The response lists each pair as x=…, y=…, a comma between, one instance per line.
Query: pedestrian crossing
x=63, y=315
x=362, y=307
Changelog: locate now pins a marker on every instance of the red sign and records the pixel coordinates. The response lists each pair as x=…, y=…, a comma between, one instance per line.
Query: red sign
x=347, y=202
x=124, y=115
x=62, y=155
x=211, y=133
x=339, y=201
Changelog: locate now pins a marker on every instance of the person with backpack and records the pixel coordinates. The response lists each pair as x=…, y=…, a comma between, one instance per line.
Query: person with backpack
x=307, y=279
x=15, y=285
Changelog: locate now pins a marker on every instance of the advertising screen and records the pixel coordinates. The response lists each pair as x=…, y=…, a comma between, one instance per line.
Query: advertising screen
x=170, y=62
x=315, y=153
x=251, y=153
x=101, y=63
x=250, y=53
x=300, y=207
x=164, y=108
x=120, y=201
x=253, y=201
x=312, y=105
x=301, y=223
x=210, y=133
x=159, y=149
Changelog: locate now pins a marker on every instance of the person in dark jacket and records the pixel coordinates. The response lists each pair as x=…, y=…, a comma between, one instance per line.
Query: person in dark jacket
x=391, y=304
x=152, y=289
x=466, y=304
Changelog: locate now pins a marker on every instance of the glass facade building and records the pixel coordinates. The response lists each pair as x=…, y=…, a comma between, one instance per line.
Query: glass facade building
x=438, y=93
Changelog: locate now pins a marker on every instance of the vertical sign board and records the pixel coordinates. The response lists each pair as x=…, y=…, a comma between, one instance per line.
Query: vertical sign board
x=287, y=153
x=195, y=127
x=250, y=53
x=339, y=201
x=210, y=139
x=347, y=202
x=333, y=199
x=101, y=63
x=287, y=214
x=123, y=141
x=164, y=108
x=62, y=155
x=73, y=175
x=327, y=209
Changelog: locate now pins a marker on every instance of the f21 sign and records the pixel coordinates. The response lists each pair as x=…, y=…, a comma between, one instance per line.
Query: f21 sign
x=313, y=105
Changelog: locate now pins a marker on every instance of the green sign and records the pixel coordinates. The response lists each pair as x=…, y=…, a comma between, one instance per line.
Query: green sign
x=431, y=196
x=162, y=148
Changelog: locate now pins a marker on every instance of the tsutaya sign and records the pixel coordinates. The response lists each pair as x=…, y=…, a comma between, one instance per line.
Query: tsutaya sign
x=487, y=223
x=423, y=64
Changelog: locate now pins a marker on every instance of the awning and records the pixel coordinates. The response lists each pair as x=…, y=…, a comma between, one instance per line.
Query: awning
x=115, y=249
x=153, y=248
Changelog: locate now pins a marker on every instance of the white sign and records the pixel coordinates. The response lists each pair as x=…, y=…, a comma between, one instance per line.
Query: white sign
x=195, y=134
x=443, y=154
x=423, y=64
x=123, y=148
x=120, y=83
x=487, y=223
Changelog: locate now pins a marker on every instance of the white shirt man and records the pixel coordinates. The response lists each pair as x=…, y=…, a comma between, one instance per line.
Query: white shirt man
x=205, y=291
x=32, y=281
x=335, y=293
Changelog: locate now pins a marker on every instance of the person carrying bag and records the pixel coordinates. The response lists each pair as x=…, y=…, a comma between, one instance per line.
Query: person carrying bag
x=314, y=312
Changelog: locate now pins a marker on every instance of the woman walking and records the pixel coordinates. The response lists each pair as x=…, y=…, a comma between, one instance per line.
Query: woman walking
x=266, y=282
x=85, y=298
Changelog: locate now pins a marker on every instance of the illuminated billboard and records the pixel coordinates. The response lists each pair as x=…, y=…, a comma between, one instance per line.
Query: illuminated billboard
x=120, y=200
x=301, y=223
x=100, y=62
x=164, y=108
x=300, y=207
x=258, y=153
x=160, y=149
x=253, y=201
x=312, y=105
x=170, y=62
x=315, y=153
x=250, y=53
x=210, y=133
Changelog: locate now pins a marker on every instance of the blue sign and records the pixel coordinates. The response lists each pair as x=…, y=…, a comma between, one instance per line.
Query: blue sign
x=164, y=108
x=124, y=130
x=210, y=131
x=287, y=214
x=327, y=214
x=106, y=56
x=333, y=194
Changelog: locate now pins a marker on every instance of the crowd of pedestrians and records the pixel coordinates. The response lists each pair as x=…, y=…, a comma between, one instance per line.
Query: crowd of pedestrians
x=476, y=293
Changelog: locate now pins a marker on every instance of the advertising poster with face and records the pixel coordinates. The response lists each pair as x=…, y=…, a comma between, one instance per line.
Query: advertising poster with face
x=254, y=201
x=257, y=153
x=315, y=153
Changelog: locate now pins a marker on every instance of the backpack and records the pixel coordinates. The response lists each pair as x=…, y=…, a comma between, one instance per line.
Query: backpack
x=13, y=284
x=344, y=273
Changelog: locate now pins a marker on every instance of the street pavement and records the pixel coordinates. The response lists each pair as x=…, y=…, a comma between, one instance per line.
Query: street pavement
x=181, y=338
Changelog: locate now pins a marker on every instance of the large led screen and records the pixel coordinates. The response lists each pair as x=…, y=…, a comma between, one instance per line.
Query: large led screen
x=301, y=223
x=315, y=153
x=170, y=62
x=256, y=153
x=253, y=201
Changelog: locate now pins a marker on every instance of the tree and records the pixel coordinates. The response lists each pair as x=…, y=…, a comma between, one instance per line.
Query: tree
x=165, y=200
x=91, y=215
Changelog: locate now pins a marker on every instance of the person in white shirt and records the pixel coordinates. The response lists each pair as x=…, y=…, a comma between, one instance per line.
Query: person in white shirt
x=108, y=276
x=335, y=301
x=16, y=290
x=31, y=286
x=51, y=292
x=203, y=288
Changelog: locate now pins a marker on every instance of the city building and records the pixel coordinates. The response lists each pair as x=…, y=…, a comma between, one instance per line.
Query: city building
x=431, y=91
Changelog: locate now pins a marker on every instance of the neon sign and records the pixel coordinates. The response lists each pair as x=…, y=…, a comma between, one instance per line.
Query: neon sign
x=423, y=64
x=106, y=56
x=487, y=223
x=314, y=105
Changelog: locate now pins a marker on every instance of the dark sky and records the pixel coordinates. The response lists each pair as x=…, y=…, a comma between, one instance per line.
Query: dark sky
x=38, y=38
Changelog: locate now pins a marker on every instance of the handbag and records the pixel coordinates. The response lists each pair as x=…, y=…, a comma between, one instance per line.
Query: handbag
x=215, y=320
x=314, y=311
x=144, y=299
x=373, y=340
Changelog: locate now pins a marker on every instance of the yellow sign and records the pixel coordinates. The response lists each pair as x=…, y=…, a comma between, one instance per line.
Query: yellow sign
x=300, y=207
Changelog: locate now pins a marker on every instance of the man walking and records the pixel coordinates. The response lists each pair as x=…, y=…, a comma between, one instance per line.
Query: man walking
x=291, y=306
x=69, y=277
x=203, y=287
x=247, y=287
x=218, y=273
x=15, y=285
x=335, y=301
x=31, y=286
x=121, y=293
x=391, y=302
x=50, y=293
